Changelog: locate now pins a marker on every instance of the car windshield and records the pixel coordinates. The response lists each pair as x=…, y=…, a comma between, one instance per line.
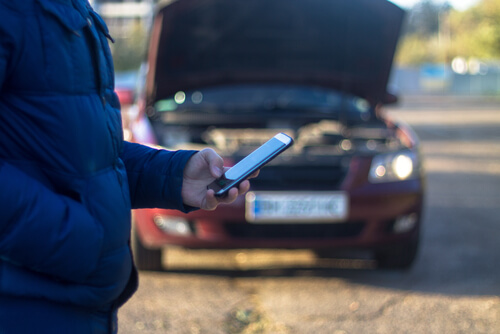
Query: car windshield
x=237, y=99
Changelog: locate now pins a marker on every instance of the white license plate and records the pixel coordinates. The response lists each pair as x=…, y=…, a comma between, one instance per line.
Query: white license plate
x=289, y=207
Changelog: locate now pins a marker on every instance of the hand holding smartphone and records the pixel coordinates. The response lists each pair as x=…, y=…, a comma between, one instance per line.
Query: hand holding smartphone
x=251, y=163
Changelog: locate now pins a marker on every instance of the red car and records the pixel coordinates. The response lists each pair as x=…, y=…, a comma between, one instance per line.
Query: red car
x=229, y=74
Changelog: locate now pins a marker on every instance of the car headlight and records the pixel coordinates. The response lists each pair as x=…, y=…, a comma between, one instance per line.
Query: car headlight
x=397, y=166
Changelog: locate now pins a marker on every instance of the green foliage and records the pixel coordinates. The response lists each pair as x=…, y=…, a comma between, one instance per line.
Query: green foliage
x=423, y=19
x=413, y=50
x=129, y=51
x=474, y=33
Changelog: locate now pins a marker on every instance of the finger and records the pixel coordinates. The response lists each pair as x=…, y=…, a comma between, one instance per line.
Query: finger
x=255, y=174
x=244, y=187
x=211, y=201
x=215, y=162
x=231, y=196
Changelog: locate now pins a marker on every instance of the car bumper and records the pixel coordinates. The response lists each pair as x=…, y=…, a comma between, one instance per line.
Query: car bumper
x=375, y=219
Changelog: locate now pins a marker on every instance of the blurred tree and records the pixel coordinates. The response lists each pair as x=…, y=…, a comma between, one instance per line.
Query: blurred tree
x=129, y=52
x=423, y=19
x=421, y=42
x=492, y=13
x=476, y=32
x=436, y=33
x=416, y=50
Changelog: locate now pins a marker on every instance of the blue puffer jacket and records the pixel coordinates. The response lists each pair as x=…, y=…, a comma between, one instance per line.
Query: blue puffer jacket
x=67, y=179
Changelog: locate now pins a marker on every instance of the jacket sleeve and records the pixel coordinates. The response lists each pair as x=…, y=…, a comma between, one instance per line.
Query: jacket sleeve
x=9, y=21
x=39, y=229
x=155, y=176
x=44, y=231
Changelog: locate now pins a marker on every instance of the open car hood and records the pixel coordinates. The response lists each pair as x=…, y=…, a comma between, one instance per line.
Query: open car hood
x=346, y=45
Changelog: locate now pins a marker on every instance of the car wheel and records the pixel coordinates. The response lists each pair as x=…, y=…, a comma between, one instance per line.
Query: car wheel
x=145, y=258
x=400, y=257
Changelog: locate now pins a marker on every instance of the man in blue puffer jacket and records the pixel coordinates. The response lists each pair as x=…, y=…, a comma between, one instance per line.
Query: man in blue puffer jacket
x=67, y=179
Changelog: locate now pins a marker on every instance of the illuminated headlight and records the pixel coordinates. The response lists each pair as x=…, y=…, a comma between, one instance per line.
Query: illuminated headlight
x=396, y=166
x=173, y=225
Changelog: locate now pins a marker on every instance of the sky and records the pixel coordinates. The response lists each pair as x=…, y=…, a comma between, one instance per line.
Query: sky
x=457, y=4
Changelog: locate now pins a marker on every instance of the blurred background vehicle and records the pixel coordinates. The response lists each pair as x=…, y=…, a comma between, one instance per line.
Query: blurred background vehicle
x=126, y=88
x=229, y=75
x=446, y=74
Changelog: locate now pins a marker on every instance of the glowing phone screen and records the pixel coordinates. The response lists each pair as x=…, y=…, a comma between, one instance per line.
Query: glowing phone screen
x=246, y=165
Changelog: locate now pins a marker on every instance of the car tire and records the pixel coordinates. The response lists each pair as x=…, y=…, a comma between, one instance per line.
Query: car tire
x=145, y=258
x=398, y=257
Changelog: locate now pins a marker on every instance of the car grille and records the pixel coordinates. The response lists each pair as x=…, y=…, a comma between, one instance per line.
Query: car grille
x=284, y=177
x=295, y=231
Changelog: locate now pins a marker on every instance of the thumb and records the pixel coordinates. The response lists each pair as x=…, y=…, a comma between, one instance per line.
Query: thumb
x=215, y=162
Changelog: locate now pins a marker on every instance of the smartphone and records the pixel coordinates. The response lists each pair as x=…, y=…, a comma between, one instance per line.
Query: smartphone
x=252, y=162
